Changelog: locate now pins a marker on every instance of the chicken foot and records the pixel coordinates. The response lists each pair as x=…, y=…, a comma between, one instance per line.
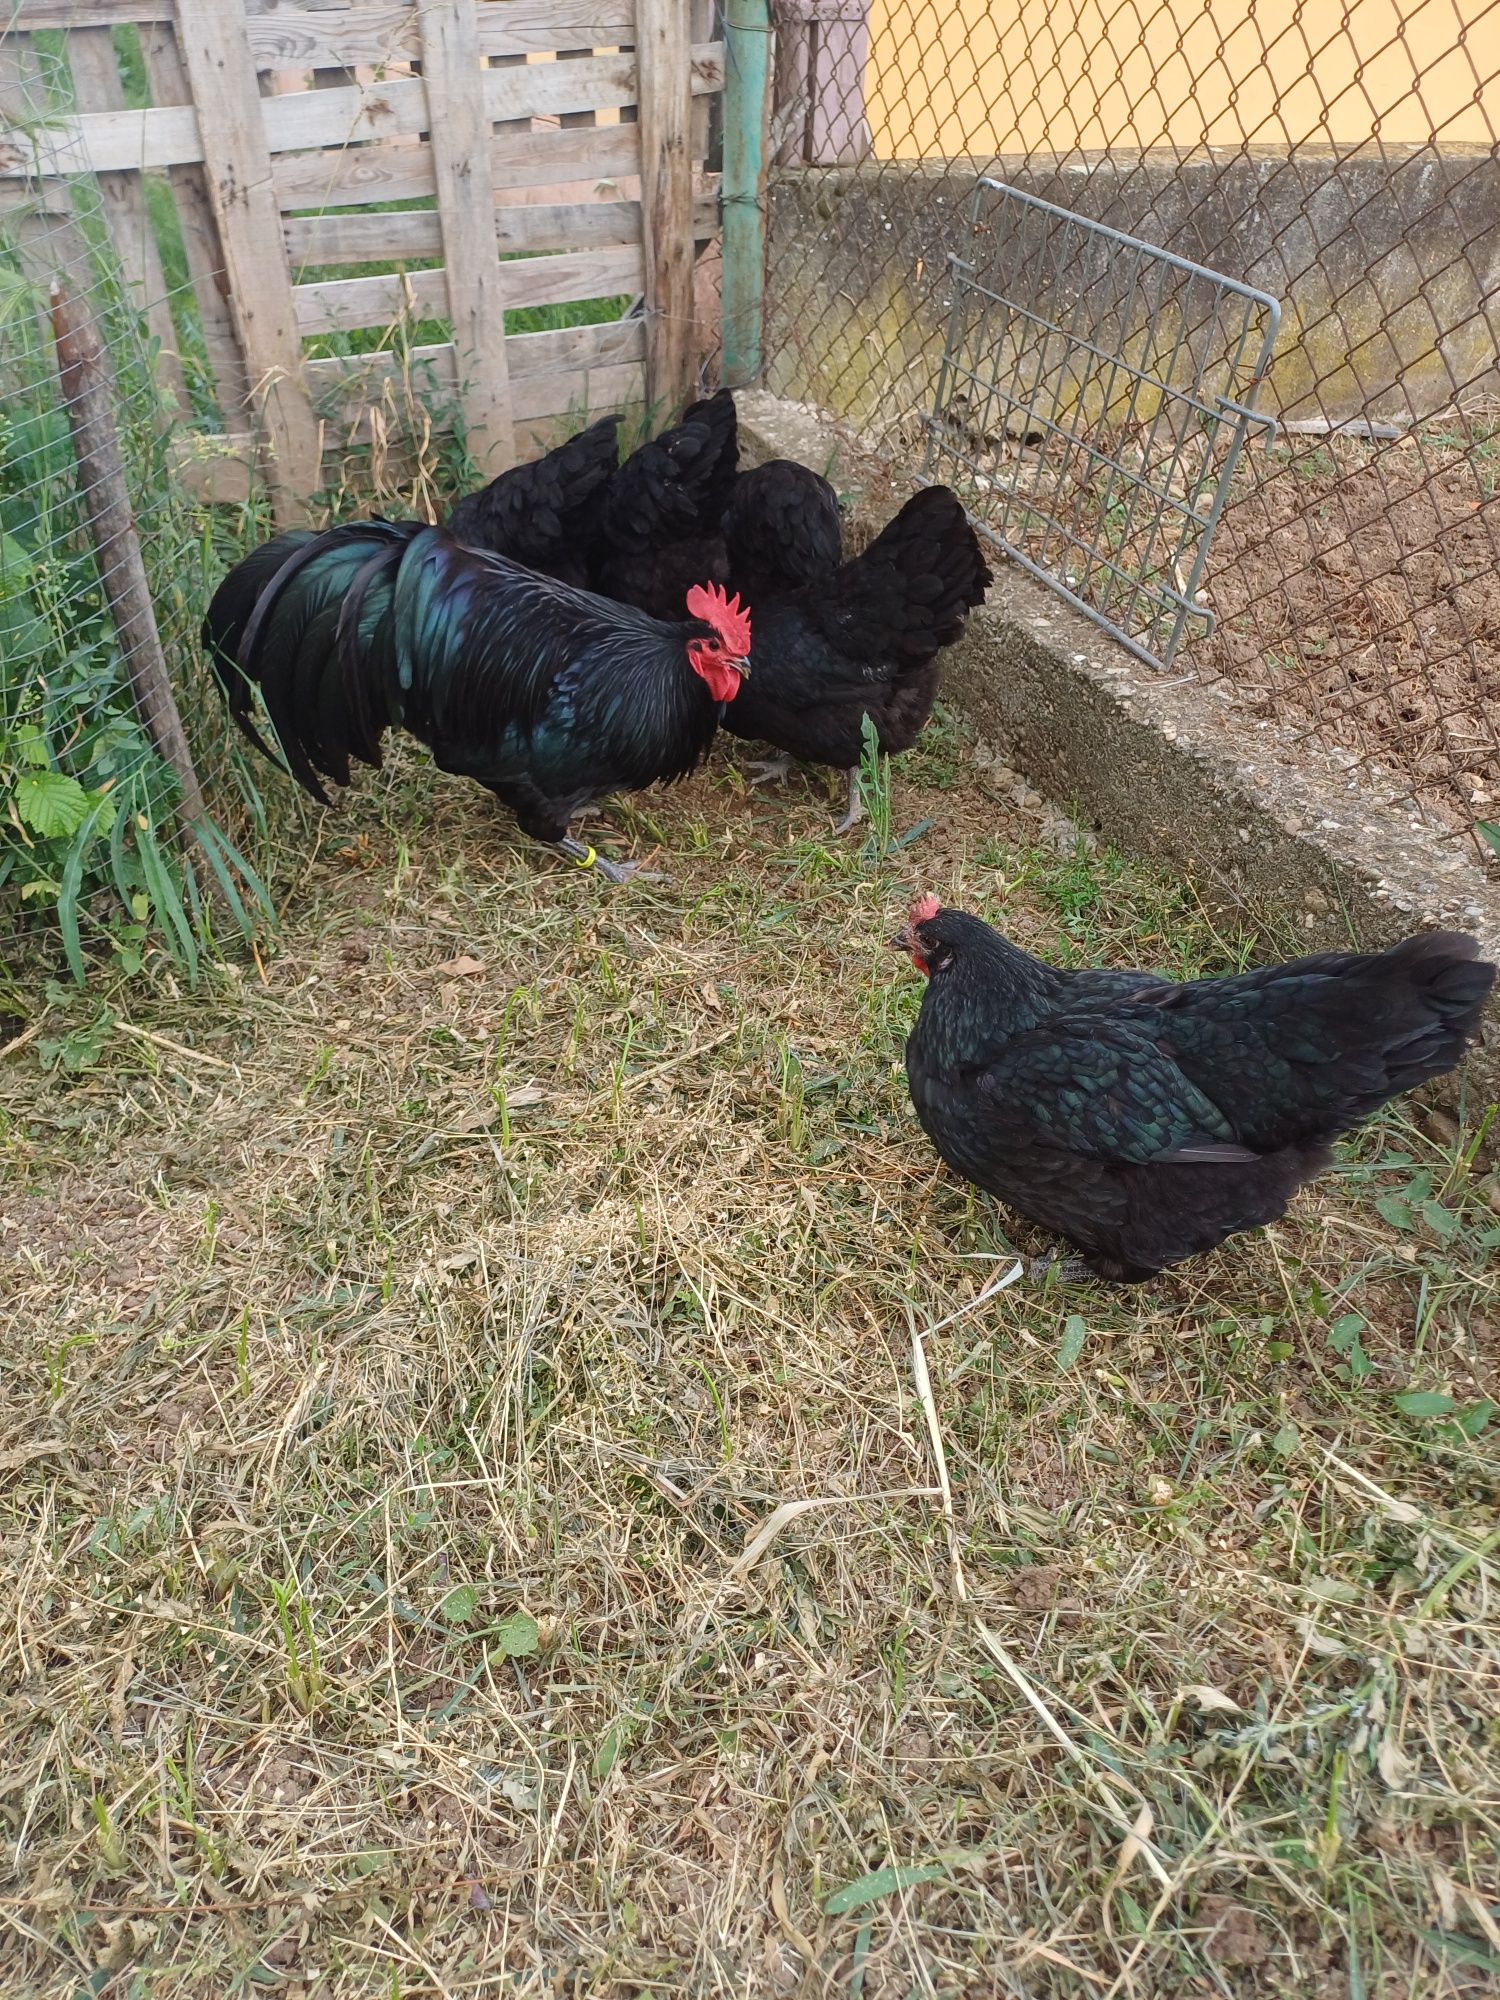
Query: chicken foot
x=856, y=807
x=769, y=771
x=612, y=871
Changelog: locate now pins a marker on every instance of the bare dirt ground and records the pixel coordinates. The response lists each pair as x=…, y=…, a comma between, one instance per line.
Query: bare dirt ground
x=467, y=1524
x=1355, y=585
x=1358, y=593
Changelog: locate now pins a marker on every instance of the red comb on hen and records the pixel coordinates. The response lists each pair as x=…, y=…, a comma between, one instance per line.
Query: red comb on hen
x=924, y=909
x=731, y=622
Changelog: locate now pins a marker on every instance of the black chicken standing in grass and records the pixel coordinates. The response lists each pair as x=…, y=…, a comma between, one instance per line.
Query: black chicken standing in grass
x=781, y=529
x=1146, y=1121
x=861, y=642
x=642, y=533
x=656, y=529
x=550, y=697
x=544, y=514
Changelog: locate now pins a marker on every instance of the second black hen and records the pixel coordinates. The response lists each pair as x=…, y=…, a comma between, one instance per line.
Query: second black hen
x=781, y=529
x=545, y=514
x=863, y=642
x=658, y=528
x=1146, y=1121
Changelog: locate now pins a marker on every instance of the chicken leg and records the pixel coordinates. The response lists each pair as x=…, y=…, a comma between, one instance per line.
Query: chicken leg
x=856, y=809
x=1070, y=1270
x=612, y=871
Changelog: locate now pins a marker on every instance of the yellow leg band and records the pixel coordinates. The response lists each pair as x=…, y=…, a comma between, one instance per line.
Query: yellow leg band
x=587, y=860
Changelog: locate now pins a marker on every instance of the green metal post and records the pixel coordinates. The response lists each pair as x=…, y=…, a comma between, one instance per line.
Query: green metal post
x=742, y=197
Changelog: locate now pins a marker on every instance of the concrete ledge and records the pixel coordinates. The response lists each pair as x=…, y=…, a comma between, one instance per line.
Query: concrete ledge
x=1160, y=767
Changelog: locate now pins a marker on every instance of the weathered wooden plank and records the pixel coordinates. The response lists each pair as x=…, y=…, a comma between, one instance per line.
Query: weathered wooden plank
x=589, y=391
x=97, y=87
x=112, y=140
x=403, y=172
x=223, y=470
x=454, y=80
x=338, y=305
x=26, y=15
x=592, y=83
x=383, y=31
x=243, y=197
x=36, y=199
x=664, y=55
x=617, y=343
x=347, y=117
x=583, y=369
x=407, y=232
x=200, y=237
x=613, y=344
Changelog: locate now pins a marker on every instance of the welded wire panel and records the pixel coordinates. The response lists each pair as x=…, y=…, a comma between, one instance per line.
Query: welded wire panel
x=1093, y=396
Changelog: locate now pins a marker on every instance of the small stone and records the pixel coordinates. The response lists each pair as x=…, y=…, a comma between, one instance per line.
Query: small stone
x=1440, y=1126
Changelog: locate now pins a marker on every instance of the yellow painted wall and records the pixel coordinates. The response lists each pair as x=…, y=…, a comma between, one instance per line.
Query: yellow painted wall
x=1022, y=76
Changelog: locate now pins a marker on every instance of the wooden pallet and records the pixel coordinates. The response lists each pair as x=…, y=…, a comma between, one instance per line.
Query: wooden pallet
x=558, y=149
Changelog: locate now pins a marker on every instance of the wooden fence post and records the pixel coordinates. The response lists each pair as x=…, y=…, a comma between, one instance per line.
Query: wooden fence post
x=215, y=49
x=102, y=487
x=453, y=73
x=664, y=86
x=822, y=49
x=742, y=194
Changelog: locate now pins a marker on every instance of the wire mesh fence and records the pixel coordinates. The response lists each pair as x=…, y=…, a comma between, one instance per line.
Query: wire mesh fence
x=102, y=563
x=1344, y=162
x=1090, y=408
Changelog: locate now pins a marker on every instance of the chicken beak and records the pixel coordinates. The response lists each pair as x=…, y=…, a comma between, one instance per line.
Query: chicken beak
x=903, y=940
x=742, y=668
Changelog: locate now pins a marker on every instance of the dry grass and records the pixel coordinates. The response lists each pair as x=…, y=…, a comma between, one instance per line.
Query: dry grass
x=415, y=1360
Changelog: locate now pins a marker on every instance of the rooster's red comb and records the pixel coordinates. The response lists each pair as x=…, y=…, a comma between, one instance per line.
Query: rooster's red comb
x=732, y=623
x=924, y=909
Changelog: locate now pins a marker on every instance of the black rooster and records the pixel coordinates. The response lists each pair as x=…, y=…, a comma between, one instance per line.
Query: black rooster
x=863, y=642
x=550, y=697
x=543, y=514
x=1146, y=1121
x=658, y=530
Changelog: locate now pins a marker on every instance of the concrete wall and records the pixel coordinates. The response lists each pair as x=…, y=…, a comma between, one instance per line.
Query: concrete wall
x=1388, y=267
x=1160, y=768
x=1012, y=76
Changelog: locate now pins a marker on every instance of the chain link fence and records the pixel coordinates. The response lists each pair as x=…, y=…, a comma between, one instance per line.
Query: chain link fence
x=107, y=851
x=1344, y=162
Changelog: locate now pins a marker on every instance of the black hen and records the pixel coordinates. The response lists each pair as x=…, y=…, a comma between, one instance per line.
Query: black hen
x=1146, y=1121
x=550, y=697
x=864, y=642
x=781, y=530
x=659, y=527
x=545, y=514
